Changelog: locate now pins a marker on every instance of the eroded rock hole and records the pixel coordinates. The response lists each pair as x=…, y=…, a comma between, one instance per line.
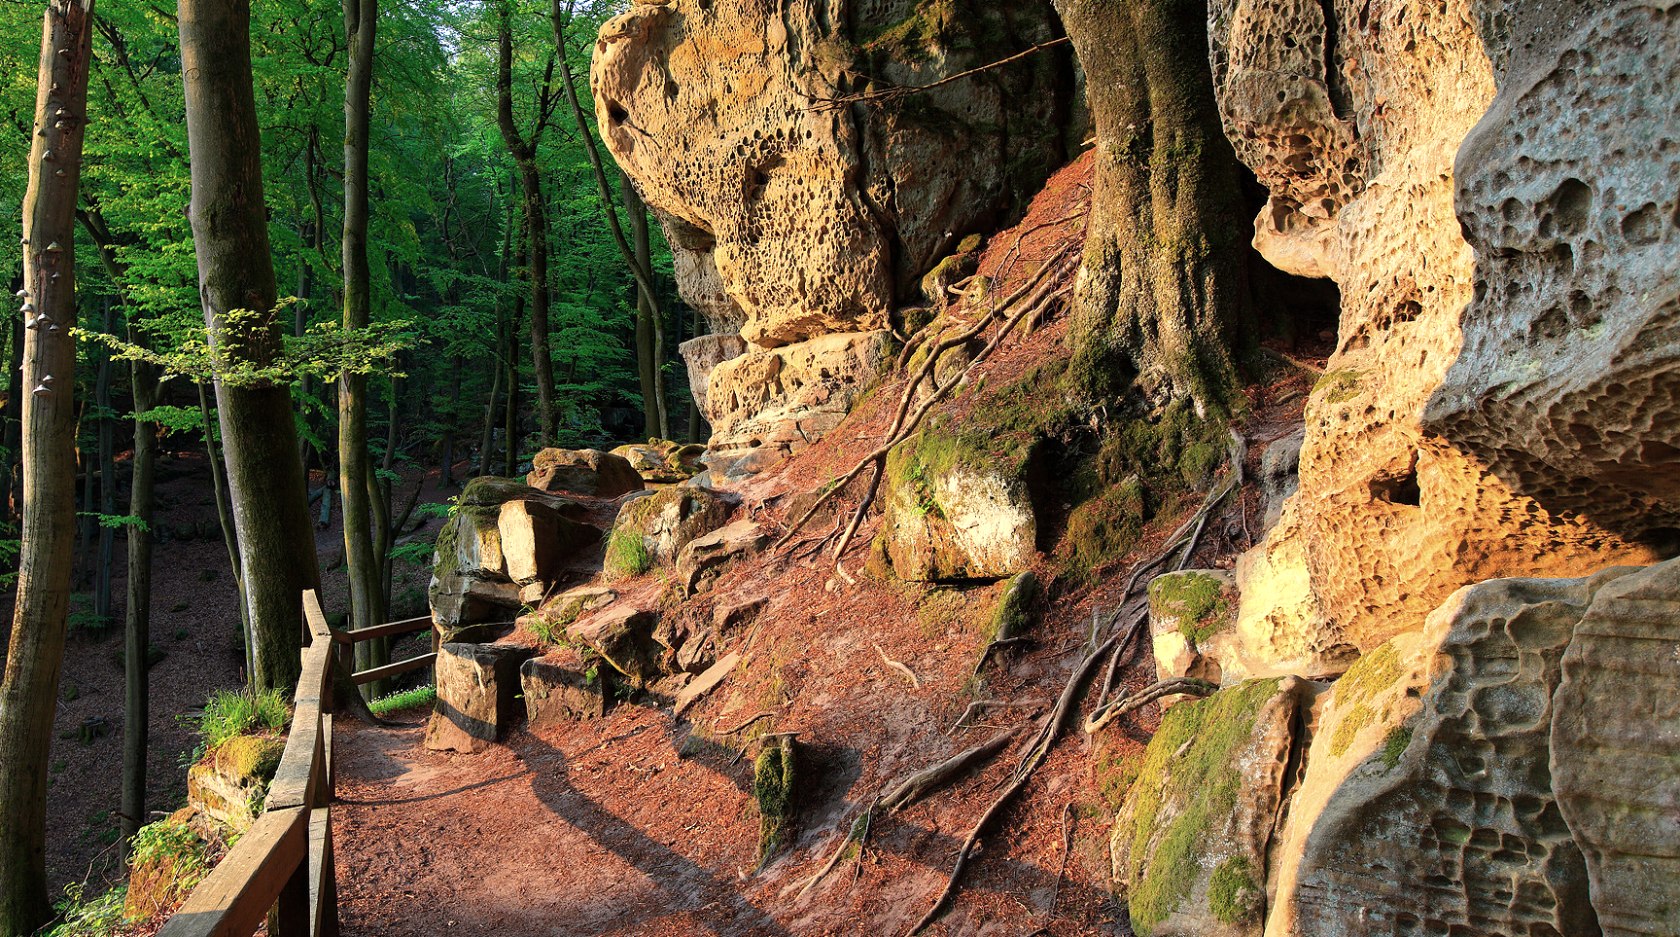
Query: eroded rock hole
x=1400, y=488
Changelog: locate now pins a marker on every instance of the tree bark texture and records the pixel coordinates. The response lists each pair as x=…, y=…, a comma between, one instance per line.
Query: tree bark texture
x=29, y=689
x=1163, y=296
x=138, y=626
x=354, y=466
x=236, y=273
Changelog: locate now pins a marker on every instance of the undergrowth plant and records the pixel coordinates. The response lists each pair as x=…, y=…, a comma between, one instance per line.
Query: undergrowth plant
x=81, y=915
x=228, y=713
x=403, y=699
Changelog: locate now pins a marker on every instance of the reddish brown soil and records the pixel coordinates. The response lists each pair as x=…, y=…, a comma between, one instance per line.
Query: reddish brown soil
x=644, y=823
x=195, y=621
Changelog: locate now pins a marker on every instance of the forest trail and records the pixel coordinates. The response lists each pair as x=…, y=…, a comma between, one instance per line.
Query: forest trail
x=537, y=837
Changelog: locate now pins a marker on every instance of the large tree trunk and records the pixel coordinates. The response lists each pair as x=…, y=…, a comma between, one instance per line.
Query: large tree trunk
x=29, y=690
x=236, y=275
x=14, y=423
x=137, y=630
x=524, y=153
x=1163, y=297
x=354, y=468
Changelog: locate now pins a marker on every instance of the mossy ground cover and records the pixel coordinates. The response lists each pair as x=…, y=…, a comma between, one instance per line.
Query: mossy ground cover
x=1201, y=784
x=627, y=553
x=1199, y=600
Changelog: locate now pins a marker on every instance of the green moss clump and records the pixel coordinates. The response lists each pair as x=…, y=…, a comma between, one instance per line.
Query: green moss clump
x=1017, y=609
x=166, y=861
x=1203, y=780
x=1395, y=744
x=1102, y=529
x=1338, y=386
x=627, y=554
x=1369, y=676
x=1234, y=896
x=773, y=778
x=249, y=757
x=1199, y=600
x=1115, y=776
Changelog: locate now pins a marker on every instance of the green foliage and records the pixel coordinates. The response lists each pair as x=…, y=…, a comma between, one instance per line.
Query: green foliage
x=84, y=915
x=228, y=713
x=403, y=699
x=167, y=859
x=627, y=554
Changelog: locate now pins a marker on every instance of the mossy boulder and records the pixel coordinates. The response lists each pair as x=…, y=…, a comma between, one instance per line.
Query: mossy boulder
x=652, y=530
x=662, y=462
x=1019, y=607
x=1192, y=614
x=622, y=636
x=167, y=860
x=583, y=471
x=952, y=513
x=501, y=536
x=230, y=783
x=1189, y=844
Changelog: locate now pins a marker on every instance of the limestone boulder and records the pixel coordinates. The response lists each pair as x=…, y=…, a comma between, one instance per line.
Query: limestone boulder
x=947, y=517
x=780, y=400
x=702, y=355
x=706, y=557
x=1569, y=380
x=1427, y=805
x=1189, y=844
x=1280, y=474
x=1615, y=743
x=477, y=695
x=565, y=686
x=583, y=471
x=652, y=531
x=1352, y=114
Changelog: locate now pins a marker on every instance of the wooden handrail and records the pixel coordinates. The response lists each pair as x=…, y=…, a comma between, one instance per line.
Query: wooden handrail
x=284, y=862
x=406, y=626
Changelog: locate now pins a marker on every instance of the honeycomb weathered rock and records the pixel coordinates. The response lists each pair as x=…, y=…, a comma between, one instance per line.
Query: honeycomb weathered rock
x=1427, y=805
x=1569, y=191
x=1351, y=114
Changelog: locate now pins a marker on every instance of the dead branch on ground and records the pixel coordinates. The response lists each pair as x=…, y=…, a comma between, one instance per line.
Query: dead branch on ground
x=909, y=674
x=932, y=778
x=1175, y=686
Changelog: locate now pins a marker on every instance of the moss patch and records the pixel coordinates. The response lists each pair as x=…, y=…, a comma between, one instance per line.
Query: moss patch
x=1017, y=610
x=1202, y=783
x=1395, y=744
x=627, y=554
x=1369, y=676
x=167, y=860
x=1338, y=386
x=1234, y=894
x=1199, y=600
x=773, y=779
x=249, y=757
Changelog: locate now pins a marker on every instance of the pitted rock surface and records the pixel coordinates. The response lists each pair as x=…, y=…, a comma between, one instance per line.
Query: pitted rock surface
x=781, y=400
x=1427, y=806
x=1569, y=191
x=1352, y=114
x=1614, y=748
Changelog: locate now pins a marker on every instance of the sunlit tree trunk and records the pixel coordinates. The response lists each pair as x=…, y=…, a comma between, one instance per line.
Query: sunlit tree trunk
x=29, y=689
x=1163, y=297
x=236, y=287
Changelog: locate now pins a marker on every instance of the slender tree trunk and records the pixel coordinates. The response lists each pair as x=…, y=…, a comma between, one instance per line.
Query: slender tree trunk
x=354, y=468
x=137, y=630
x=647, y=354
x=14, y=423
x=379, y=492
x=107, y=476
x=224, y=518
x=698, y=431
x=512, y=409
x=236, y=286
x=29, y=689
x=1164, y=293
x=524, y=153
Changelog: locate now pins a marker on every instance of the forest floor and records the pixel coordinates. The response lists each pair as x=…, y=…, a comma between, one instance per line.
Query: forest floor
x=644, y=822
x=195, y=624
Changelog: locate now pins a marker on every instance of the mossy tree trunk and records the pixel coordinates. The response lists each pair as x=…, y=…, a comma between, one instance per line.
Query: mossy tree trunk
x=237, y=289
x=1162, y=305
x=29, y=690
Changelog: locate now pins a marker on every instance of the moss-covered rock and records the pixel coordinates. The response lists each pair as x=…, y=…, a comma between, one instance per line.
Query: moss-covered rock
x=230, y=783
x=1018, y=608
x=1189, y=845
x=1192, y=614
x=501, y=536
x=774, y=776
x=167, y=859
x=652, y=530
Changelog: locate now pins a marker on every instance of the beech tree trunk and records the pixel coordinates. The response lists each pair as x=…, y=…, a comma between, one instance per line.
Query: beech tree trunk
x=138, y=626
x=1163, y=297
x=236, y=274
x=524, y=153
x=354, y=468
x=105, y=558
x=34, y=657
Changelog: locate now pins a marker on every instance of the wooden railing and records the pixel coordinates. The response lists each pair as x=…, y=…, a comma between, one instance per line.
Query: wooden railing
x=284, y=862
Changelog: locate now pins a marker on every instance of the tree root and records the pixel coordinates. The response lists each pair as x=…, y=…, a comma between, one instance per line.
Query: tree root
x=932, y=778
x=977, y=705
x=766, y=714
x=909, y=674
x=857, y=833
x=1175, y=686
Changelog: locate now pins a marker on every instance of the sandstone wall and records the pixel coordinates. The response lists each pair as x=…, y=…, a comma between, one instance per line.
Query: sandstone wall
x=792, y=217
x=1352, y=115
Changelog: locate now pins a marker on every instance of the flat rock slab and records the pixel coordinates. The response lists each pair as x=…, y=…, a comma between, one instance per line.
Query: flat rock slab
x=563, y=687
x=706, y=682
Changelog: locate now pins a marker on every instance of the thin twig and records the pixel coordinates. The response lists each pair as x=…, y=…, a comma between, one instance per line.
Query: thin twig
x=1176, y=686
x=743, y=726
x=902, y=91
x=901, y=668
